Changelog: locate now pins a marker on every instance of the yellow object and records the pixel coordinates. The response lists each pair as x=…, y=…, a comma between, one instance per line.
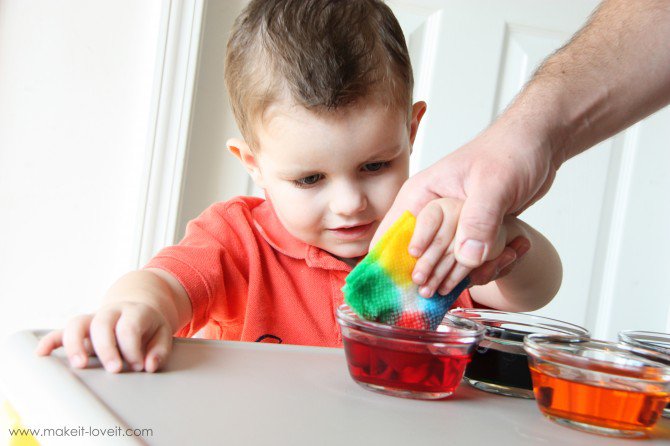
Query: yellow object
x=380, y=288
x=392, y=254
x=14, y=431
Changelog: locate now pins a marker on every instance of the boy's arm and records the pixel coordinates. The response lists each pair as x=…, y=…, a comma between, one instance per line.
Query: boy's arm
x=161, y=290
x=535, y=279
x=140, y=312
x=535, y=275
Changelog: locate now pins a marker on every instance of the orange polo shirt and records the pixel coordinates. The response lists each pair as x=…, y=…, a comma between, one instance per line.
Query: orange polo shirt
x=248, y=279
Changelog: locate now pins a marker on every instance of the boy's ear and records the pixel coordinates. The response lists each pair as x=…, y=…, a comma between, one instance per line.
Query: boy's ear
x=418, y=110
x=242, y=152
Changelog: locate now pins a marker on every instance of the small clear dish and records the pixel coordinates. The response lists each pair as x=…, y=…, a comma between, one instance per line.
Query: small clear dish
x=404, y=362
x=500, y=364
x=597, y=386
x=659, y=342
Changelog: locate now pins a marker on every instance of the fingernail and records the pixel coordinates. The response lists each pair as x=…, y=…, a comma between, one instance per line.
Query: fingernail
x=472, y=251
x=507, y=260
x=153, y=364
x=113, y=366
x=523, y=249
x=77, y=360
x=414, y=252
x=419, y=278
x=424, y=291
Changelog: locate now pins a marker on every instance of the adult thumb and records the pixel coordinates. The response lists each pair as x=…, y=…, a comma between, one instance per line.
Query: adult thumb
x=478, y=226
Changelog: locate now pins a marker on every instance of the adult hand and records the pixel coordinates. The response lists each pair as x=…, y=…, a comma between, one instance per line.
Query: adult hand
x=502, y=171
x=572, y=102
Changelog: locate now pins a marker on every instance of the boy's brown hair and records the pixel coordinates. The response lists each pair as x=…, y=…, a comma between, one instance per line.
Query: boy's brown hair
x=324, y=54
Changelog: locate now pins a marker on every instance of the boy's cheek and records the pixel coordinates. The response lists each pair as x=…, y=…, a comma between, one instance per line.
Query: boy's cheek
x=296, y=212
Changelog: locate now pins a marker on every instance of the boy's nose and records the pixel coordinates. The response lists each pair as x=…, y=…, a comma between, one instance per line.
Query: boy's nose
x=348, y=200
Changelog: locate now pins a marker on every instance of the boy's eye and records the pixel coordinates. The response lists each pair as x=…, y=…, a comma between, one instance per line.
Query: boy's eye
x=308, y=181
x=373, y=167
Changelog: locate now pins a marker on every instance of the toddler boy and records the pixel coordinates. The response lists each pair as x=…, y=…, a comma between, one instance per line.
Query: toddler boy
x=322, y=93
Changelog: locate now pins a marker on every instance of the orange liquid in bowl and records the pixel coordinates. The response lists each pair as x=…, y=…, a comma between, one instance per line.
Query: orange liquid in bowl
x=599, y=406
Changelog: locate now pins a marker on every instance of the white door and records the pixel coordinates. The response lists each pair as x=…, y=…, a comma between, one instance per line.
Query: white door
x=608, y=213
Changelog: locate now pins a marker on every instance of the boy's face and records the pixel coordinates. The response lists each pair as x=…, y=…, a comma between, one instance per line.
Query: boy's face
x=332, y=177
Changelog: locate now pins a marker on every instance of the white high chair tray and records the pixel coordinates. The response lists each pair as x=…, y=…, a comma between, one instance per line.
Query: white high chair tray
x=237, y=393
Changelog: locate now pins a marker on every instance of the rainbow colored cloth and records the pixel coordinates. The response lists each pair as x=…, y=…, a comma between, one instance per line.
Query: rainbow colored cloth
x=380, y=287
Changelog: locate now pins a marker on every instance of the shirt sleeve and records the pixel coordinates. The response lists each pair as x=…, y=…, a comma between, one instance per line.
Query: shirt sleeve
x=211, y=263
x=465, y=300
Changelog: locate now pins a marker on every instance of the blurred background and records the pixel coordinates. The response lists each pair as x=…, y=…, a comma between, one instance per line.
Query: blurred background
x=113, y=119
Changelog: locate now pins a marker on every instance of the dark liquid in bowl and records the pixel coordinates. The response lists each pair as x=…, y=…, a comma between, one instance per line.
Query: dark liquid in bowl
x=501, y=368
x=419, y=371
x=505, y=369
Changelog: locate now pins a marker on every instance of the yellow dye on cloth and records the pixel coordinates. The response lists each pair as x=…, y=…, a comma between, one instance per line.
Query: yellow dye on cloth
x=9, y=420
x=391, y=250
x=380, y=287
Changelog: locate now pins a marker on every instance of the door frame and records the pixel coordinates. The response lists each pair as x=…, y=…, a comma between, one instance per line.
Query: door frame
x=179, y=41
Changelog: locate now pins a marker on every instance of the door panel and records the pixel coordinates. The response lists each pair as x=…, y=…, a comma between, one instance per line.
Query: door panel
x=470, y=59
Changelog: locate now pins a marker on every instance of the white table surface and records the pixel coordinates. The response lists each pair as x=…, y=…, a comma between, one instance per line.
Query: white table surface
x=216, y=392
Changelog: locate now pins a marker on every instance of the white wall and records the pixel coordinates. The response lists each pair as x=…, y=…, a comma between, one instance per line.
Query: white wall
x=76, y=79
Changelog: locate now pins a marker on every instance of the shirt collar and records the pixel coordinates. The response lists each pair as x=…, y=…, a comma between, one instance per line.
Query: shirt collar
x=268, y=224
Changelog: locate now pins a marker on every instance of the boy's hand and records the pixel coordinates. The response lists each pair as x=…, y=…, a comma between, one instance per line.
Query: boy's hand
x=503, y=264
x=433, y=242
x=130, y=331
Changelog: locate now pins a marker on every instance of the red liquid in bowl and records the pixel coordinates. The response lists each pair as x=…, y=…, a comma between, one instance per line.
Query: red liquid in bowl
x=417, y=371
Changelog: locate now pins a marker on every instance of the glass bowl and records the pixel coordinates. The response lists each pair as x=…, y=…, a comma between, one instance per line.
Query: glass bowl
x=597, y=386
x=659, y=342
x=406, y=362
x=500, y=364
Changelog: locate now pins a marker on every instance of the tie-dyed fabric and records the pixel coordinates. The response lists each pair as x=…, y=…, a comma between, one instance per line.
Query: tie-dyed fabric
x=380, y=287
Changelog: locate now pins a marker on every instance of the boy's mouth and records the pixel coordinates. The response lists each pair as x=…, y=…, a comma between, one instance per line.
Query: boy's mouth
x=352, y=232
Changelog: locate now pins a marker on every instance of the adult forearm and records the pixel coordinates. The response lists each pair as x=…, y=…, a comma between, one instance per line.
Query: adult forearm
x=614, y=72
